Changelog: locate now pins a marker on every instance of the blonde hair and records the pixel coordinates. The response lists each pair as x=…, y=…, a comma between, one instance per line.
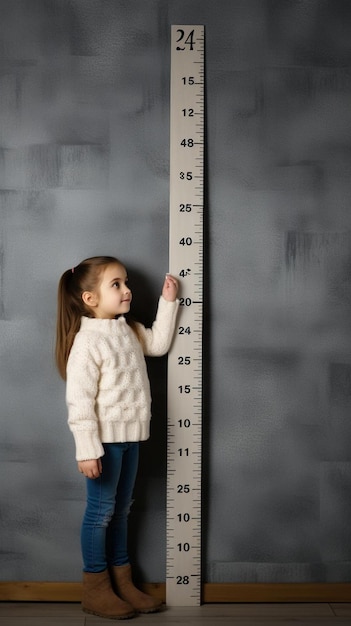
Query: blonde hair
x=70, y=306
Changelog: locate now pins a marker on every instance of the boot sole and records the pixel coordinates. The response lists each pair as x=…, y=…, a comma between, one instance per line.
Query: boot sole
x=90, y=612
x=158, y=609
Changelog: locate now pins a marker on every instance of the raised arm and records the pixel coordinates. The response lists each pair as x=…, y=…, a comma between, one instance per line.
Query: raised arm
x=157, y=339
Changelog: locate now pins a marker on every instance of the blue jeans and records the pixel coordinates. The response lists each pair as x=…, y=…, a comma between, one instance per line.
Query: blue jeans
x=109, y=498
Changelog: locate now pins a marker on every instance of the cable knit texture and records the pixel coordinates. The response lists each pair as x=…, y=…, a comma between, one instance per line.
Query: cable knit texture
x=108, y=391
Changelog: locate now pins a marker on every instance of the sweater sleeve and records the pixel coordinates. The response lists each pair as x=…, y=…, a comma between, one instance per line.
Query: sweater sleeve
x=82, y=383
x=156, y=340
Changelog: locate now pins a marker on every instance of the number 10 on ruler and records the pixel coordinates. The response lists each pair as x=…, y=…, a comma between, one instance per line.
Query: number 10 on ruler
x=185, y=356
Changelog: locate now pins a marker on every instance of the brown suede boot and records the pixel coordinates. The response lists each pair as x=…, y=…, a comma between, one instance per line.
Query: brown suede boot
x=123, y=584
x=99, y=599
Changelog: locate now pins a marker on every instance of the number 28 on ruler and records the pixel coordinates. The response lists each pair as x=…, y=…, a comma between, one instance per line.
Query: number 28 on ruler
x=185, y=356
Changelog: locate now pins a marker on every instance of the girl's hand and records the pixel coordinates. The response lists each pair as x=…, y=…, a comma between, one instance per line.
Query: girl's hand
x=91, y=468
x=170, y=288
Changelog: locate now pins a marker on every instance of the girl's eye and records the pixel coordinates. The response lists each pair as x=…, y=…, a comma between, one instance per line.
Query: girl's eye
x=116, y=285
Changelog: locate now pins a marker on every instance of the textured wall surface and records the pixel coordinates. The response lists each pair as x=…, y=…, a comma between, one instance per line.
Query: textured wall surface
x=84, y=155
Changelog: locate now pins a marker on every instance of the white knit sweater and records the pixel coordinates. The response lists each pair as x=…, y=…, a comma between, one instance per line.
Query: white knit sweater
x=108, y=391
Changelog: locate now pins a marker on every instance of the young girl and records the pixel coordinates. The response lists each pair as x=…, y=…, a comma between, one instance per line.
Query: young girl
x=100, y=353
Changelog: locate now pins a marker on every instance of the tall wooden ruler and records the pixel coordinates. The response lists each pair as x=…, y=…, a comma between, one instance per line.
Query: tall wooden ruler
x=185, y=358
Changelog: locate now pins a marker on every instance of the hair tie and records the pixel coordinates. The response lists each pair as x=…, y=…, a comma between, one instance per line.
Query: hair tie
x=72, y=270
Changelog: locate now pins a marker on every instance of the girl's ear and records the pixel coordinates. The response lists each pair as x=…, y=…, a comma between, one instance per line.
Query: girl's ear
x=89, y=298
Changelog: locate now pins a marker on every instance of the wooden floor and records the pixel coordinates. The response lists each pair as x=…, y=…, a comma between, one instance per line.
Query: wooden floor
x=70, y=614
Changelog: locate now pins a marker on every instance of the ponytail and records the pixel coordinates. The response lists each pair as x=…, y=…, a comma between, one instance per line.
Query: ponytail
x=70, y=308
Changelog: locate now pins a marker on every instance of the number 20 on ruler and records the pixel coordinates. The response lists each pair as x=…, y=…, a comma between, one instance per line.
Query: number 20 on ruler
x=185, y=356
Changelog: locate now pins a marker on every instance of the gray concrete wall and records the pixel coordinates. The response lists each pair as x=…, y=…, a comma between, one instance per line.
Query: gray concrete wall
x=84, y=155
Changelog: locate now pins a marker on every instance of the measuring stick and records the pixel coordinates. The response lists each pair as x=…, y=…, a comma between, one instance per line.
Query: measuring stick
x=184, y=445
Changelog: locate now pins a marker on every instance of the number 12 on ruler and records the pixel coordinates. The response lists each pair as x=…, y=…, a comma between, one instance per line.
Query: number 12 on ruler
x=185, y=356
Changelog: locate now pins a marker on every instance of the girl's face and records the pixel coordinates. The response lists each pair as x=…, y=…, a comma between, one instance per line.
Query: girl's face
x=113, y=296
